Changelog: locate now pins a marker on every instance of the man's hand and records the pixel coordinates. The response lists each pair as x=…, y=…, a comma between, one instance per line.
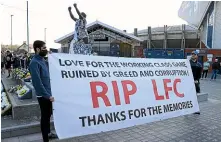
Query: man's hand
x=195, y=81
x=75, y=5
x=51, y=99
x=69, y=8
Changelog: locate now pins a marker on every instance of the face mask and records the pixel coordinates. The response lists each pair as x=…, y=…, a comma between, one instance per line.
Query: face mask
x=43, y=53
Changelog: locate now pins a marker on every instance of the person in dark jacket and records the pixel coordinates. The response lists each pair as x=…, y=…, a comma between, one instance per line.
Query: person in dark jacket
x=215, y=69
x=8, y=62
x=16, y=62
x=41, y=82
x=196, y=70
x=3, y=60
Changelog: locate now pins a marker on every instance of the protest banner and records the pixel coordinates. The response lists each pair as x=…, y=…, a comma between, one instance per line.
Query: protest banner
x=94, y=94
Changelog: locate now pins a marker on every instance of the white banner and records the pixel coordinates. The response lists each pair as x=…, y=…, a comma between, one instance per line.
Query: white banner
x=95, y=94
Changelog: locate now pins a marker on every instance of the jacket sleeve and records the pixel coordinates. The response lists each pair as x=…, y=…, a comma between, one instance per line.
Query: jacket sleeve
x=36, y=80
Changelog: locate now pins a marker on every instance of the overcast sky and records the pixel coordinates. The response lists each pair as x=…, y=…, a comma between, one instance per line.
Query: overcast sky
x=53, y=15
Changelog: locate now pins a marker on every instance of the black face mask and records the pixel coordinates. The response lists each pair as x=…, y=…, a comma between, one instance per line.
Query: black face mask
x=43, y=53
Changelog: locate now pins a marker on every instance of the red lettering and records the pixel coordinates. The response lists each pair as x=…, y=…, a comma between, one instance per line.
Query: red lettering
x=181, y=95
x=127, y=93
x=157, y=96
x=166, y=88
x=101, y=94
x=116, y=93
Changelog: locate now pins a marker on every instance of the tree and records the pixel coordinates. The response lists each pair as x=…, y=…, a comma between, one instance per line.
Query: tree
x=8, y=47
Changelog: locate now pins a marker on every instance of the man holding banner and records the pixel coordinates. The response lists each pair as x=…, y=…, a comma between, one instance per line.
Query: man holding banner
x=196, y=69
x=41, y=82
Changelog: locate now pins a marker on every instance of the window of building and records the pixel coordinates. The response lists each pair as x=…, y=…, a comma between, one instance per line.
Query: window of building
x=210, y=24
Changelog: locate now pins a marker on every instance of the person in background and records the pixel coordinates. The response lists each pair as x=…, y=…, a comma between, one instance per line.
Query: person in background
x=3, y=60
x=8, y=63
x=196, y=70
x=25, y=58
x=22, y=61
x=220, y=67
x=215, y=69
x=41, y=82
x=16, y=62
x=206, y=66
x=28, y=60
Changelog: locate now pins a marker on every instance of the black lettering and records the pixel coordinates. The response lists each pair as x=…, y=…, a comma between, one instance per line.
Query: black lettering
x=165, y=108
x=157, y=73
x=81, y=63
x=61, y=63
x=180, y=106
x=134, y=74
x=89, y=74
x=130, y=64
x=67, y=62
x=149, y=109
x=143, y=112
x=100, y=64
x=88, y=63
x=130, y=112
x=100, y=119
x=74, y=62
x=137, y=113
x=156, y=64
x=91, y=120
x=155, y=110
x=116, y=117
x=176, y=106
x=183, y=105
x=191, y=105
x=64, y=74
x=106, y=64
x=121, y=74
x=82, y=74
x=159, y=110
x=94, y=64
x=109, y=117
x=83, y=120
x=170, y=107
x=95, y=73
x=122, y=113
x=71, y=74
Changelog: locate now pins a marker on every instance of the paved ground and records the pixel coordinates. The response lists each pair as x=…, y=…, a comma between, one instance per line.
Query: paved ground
x=190, y=128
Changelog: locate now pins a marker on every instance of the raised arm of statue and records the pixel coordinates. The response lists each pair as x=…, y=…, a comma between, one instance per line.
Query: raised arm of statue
x=71, y=14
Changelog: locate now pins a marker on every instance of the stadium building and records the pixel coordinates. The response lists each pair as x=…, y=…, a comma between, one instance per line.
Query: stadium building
x=205, y=16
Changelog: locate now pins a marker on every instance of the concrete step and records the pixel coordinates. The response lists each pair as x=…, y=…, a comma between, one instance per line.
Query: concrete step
x=14, y=128
x=201, y=97
x=36, y=137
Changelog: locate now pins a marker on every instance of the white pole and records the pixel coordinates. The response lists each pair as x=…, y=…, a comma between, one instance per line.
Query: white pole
x=11, y=31
x=45, y=34
x=27, y=28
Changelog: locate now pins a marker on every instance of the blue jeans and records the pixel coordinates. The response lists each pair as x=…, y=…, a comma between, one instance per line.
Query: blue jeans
x=214, y=74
